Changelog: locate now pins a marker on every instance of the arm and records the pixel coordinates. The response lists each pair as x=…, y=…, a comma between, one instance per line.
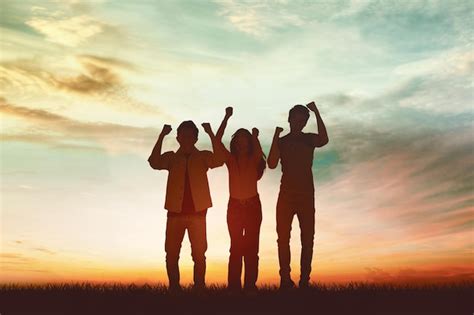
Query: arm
x=220, y=132
x=274, y=155
x=156, y=159
x=218, y=156
x=321, y=138
x=256, y=144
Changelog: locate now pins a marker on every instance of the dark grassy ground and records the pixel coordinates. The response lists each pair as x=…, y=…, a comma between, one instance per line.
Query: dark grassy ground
x=354, y=298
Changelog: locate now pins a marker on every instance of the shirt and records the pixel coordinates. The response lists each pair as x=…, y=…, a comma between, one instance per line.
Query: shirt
x=198, y=164
x=188, y=204
x=296, y=155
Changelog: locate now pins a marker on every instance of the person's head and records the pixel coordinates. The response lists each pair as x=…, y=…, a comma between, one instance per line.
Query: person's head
x=242, y=144
x=298, y=117
x=187, y=134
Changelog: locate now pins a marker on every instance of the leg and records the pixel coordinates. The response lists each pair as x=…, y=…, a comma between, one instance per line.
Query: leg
x=235, y=226
x=175, y=229
x=284, y=218
x=253, y=220
x=305, y=215
x=197, y=237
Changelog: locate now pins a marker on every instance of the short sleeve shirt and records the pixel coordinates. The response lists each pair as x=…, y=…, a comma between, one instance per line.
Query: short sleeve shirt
x=296, y=156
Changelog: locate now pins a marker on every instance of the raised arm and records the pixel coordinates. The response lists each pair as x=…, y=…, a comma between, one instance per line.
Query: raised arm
x=274, y=155
x=220, y=132
x=218, y=156
x=256, y=144
x=156, y=159
x=321, y=138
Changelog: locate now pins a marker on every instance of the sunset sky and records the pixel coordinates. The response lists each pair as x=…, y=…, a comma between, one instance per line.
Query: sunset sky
x=85, y=87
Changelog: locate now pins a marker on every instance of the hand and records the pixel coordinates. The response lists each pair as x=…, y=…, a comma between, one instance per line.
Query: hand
x=255, y=132
x=166, y=130
x=312, y=107
x=207, y=127
x=278, y=130
x=229, y=111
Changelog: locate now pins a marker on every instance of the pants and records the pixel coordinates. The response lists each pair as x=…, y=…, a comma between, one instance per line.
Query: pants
x=244, y=220
x=175, y=229
x=301, y=204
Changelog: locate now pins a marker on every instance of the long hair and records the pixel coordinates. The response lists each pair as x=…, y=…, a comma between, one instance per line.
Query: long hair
x=235, y=151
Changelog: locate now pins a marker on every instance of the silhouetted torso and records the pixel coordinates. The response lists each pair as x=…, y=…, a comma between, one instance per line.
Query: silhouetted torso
x=296, y=154
x=243, y=177
x=197, y=166
x=188, y=203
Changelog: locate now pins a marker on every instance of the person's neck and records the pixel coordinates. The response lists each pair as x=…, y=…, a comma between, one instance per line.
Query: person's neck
x=296, y=133
x=187, y=150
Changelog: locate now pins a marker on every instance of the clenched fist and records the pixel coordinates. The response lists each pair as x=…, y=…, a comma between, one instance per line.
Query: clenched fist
x=207, y=127
x=255, y=132
x=166, y=130
x=312, y=107
x=229, y=111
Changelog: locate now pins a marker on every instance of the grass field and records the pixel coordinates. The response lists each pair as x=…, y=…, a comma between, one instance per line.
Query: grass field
x=352, y=298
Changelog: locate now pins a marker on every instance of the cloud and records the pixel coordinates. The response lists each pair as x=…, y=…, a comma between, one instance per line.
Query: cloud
x=405, y=170
x=94, y=76
x=106, y=61
x=17, y=262
x=440, y=84
x=256, y=18
x=397, y=202
x=16, y=259
x=31, y=246
x=98, y=75
x=95, y=79
x=44, y=250
x=66, y=132
x=65, y=30
x=354, y=7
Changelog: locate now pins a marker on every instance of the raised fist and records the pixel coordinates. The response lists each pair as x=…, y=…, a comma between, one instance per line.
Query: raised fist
x=312, y=107
x=229, y=111
x=207, y=127
x=255, y=132
x=166, y=130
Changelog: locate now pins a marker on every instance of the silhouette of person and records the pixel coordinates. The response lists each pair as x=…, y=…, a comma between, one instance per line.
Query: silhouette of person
x=187, y=197
x=295, y=151
x=245, y=163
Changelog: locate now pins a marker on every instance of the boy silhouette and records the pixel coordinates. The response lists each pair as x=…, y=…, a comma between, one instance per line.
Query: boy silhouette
x=295, y=151
x=187, y=197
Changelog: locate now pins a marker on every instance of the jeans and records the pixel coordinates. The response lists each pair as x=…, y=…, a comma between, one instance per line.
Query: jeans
x=301, y=204
x=175, y=229
x=243, y=220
